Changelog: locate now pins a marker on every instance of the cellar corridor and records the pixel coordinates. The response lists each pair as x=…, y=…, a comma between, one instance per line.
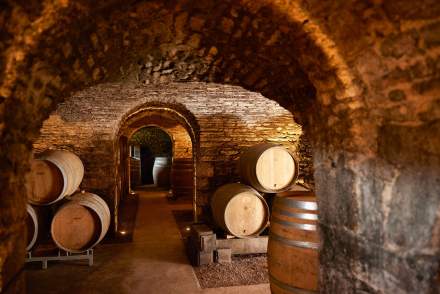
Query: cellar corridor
x=155, y=262
x=341, y=98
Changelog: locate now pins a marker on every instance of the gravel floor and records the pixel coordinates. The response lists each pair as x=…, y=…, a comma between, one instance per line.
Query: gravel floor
x=244, y=270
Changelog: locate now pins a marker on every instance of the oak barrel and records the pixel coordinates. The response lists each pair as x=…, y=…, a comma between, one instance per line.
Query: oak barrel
x=32, y=227
x=182, y=174
x=161, y=171
x=293, y=243
x=81, y=223
x=239, y=210
x=37, y=224
x=53, y=176
x=268, y=168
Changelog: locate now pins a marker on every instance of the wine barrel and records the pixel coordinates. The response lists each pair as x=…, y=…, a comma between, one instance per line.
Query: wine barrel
x=53, y=176
x=161, y=172
x=37, y=224
x=81, y=223
x=239, y=210
x=32, y=227
x=268, y=168
x=293, y=244
x=182, y=174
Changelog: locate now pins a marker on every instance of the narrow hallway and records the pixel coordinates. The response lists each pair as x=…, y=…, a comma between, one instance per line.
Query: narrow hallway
x=155, y=262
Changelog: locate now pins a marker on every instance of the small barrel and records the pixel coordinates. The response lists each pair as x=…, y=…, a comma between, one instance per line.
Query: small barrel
x=182, y=174
x=268, y=168
x=53, y=176
x=81, y=223
x=161, y=171
x=37, y=224
x=293, y=244
x=239, y=210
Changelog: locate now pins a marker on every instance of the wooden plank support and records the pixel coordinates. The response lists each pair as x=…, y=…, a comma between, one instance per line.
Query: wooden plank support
x=201, y=243
x=223, y=255
x=244, y=246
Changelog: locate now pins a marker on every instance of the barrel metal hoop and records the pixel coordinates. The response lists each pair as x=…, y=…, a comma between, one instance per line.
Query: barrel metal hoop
x=294, y=243
x=304, y=227
x=289, y=288
x=300, y=204
x=307, y=216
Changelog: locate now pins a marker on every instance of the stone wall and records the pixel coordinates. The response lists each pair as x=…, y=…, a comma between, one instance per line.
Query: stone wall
x=228, y=118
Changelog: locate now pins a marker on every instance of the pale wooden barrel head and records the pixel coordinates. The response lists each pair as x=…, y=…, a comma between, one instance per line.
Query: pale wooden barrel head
x=44, y=183
x=275, y=168
x=245, y=214
x=75, y=227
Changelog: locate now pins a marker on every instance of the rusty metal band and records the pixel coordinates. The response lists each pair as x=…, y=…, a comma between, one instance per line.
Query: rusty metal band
x=304, y=227
x=306, y=216
x=289, y=288
x=293, y=243
x=300, y=204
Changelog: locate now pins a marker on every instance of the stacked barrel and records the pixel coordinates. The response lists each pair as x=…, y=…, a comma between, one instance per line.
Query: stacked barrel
x=242, y=211
x=239, y=208
x=76, y=221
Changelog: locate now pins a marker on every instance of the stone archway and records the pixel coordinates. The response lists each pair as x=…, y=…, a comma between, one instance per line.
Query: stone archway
x=164, y=116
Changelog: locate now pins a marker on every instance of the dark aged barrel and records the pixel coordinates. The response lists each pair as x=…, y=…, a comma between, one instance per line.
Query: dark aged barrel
x=293, y=244
x=53, y=176
x=239, y=210
x=37, y=223
x=81, y=223
x=182, y=174
x=32, y=227
x=268, y=168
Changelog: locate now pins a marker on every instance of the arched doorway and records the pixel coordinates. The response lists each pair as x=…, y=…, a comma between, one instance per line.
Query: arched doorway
x=180, y=127
x=151, y=153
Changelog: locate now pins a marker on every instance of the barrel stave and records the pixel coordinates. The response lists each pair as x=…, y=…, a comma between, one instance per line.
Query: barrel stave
x=293, y=244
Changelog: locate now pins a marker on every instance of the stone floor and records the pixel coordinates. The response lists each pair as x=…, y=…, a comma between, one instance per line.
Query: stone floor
x=155, y=262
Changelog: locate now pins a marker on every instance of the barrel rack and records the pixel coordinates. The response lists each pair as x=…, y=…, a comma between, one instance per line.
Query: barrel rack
x=62, y=256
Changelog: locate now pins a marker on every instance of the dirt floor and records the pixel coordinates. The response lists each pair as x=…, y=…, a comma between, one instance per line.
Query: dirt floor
x=244, y=270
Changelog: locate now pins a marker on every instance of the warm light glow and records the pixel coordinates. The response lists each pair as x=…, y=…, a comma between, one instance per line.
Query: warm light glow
x=187, y=229
x=122, y=232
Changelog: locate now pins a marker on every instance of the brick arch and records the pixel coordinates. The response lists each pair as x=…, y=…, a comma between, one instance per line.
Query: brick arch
x=171, y=112
x=170, y=127
x=373, y=66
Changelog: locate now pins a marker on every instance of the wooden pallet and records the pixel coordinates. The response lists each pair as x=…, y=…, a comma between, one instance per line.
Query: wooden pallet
x=205, y=247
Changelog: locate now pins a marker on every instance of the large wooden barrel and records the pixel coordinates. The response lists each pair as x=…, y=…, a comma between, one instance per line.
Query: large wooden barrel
x=239, y=210
x=53, y=176
x=161, y=171
x=81, y=223
x=293, y=244
x=32, y=227
x=182, y=174
x=268, y=168
x=37, y=224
